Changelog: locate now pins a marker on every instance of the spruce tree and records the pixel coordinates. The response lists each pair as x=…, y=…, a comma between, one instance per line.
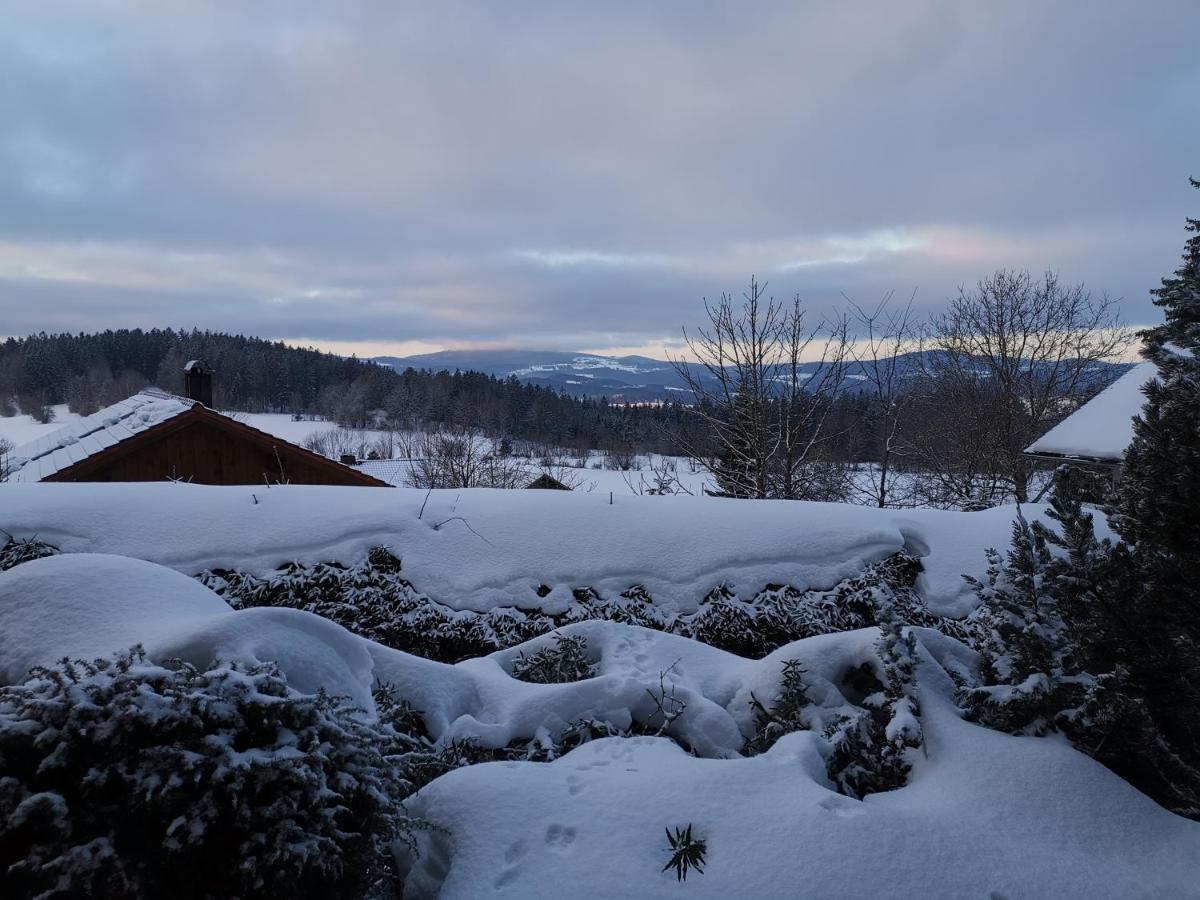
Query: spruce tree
x=1157, y=514
x=1130, y=611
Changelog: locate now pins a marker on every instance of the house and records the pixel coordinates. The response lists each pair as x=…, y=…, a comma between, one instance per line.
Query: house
x=1098, y=432
x=547, y=482
x=155, y=436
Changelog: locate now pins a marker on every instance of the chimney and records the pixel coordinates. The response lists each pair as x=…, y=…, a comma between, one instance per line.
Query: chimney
x=197, y=382
x=349, y=459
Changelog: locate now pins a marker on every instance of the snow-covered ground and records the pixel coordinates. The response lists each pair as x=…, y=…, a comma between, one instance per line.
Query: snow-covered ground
x=984, y=814
x=22, y=429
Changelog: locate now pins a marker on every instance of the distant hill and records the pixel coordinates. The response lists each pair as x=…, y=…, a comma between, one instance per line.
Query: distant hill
x=619, y=378
x=628, y=378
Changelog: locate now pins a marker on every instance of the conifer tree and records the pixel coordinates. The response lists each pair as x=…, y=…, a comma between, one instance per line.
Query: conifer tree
x=1157, y=514
x=1102, y=640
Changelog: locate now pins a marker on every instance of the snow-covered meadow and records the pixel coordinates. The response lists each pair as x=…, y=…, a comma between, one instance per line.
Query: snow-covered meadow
x=983, y=813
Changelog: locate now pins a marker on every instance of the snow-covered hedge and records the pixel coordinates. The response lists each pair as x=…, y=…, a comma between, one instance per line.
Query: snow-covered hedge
x=121, y=777
x=375, y=600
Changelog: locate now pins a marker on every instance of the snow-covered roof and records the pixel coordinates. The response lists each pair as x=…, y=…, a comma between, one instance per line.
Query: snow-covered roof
x=1102, y=428
x=396, y=472
x=74, y=443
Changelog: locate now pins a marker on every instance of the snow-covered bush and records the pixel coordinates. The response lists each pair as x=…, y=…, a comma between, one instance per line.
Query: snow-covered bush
x=121, y=777
x=1028, y=664
x=725, y=621
x=566, y=660
x=373, y=599
x=787, y=713
x=1072, y=642
x=870, y=738
x=16, y=551
x=873, y=751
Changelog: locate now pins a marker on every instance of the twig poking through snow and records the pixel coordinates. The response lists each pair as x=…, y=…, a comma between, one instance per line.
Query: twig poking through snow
x=669, y=706
x=469, y=528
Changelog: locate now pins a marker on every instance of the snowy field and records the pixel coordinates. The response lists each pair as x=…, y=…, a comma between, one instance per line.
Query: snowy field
x=984, y=814
x=22, y=429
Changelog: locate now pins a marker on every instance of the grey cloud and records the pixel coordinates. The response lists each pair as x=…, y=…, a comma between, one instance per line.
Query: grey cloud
x=576, y=173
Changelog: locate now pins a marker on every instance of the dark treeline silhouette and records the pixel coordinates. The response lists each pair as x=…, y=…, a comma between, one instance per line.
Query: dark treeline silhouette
x=89, y=371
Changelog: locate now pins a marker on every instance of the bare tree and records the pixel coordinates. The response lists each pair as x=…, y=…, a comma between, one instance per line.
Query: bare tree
x=1028, y=348
x=805, y=470
x=663, y=481
x=338, y=442
x=957, y=461
x=764, y=413
x=885, y=336
x=464, y=458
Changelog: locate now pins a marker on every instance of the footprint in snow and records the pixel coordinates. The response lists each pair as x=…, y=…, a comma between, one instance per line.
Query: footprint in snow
x=559, y=838
x=840, y=806
x=515, y=852
x=512, y=856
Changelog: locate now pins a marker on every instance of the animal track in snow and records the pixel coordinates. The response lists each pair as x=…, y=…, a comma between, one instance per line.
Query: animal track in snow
x=515, y=852
x=512, y=856
x=559, y=838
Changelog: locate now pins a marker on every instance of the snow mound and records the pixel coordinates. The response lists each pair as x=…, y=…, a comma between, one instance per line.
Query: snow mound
x=87, y=605
x=91, y=604
x=478, y=549
x=311, y=652
x=479, y=699
x=985, y=814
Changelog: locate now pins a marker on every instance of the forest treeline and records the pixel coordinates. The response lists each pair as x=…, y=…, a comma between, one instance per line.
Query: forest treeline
x=90, y=371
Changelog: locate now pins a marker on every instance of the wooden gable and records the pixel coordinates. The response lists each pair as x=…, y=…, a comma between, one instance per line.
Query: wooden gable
x=206, y=447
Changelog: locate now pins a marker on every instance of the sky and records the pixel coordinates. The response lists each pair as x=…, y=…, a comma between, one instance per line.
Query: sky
x=400, y=178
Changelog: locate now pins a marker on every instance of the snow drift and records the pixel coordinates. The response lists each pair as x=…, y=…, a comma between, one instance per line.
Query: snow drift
x=477, y=549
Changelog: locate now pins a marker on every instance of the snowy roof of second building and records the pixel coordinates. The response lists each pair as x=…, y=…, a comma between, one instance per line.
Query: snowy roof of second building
x=1103, y=427
x=396, y=472
x=74, y=443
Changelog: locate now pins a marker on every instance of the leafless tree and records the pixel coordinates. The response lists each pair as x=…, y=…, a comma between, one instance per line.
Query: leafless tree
x=663, y=481
x=884, y=337
x=464, y=458
x=1028, y=350
x=805, y=468
x=957, y=461
x=337, y=442
x=763, y=411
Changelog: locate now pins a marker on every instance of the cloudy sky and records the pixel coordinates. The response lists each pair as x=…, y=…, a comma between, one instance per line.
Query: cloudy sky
x=411, y=177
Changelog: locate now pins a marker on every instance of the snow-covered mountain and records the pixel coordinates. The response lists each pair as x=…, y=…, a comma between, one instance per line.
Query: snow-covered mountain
x=631, y=378
x=619, y=378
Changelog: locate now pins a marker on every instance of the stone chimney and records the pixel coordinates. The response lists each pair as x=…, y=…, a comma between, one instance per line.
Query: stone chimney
x=197, y=382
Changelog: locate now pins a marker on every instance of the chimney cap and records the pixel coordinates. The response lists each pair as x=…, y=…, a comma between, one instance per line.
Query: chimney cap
x=197, y=365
